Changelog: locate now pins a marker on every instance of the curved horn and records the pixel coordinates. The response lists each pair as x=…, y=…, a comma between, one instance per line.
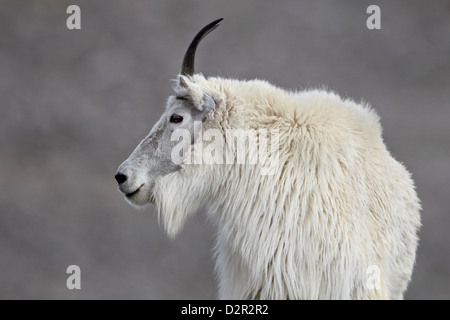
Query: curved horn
x=187, y=69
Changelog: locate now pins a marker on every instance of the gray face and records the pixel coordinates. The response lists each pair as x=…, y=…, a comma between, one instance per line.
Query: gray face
x=152, y=158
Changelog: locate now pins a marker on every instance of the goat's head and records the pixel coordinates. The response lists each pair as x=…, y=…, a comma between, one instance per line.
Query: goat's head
x=153, y=157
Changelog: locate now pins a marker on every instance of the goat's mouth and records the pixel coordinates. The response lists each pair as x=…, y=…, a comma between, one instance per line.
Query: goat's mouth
x=139, y=197
x=131, y=194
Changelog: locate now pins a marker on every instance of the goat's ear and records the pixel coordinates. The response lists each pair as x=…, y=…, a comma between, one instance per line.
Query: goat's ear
x=208, y=103
x=194, y=93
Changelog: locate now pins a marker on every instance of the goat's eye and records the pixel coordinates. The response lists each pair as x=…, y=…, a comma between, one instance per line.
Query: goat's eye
x=176, y=118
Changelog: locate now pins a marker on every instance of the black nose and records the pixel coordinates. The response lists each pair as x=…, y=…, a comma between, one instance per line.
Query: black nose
x=120, y=178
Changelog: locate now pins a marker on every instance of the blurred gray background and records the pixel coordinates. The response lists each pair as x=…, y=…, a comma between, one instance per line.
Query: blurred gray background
x=74, y=104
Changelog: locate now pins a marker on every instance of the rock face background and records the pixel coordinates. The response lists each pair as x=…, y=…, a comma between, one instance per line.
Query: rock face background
x=74, y=104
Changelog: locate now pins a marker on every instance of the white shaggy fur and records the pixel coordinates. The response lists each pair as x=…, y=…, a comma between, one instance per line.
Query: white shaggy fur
x=337, y=203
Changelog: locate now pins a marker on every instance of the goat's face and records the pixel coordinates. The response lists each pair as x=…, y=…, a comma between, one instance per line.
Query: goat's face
x=155, y=156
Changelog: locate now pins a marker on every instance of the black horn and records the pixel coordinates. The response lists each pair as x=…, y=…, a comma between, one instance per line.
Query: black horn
x=187, y=69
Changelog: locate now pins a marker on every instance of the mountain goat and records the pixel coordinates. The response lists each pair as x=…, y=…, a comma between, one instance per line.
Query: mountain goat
x=323, y=211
